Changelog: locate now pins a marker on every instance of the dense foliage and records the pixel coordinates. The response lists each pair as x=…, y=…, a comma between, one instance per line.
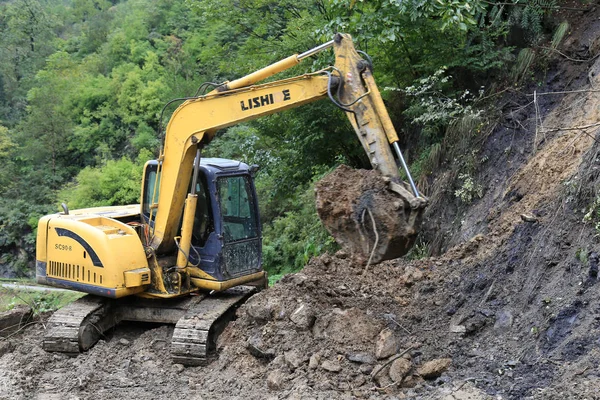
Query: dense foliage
x=83, y=82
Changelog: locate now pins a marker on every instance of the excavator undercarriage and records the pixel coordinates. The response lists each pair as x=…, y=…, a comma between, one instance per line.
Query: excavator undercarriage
x=198, y=321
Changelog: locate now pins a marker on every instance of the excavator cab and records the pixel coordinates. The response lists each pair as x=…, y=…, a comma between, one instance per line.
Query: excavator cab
x=226, y=233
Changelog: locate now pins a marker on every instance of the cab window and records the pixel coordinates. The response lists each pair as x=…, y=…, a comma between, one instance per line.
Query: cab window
x=203, y=222
x=151, y=188
x=237, y=208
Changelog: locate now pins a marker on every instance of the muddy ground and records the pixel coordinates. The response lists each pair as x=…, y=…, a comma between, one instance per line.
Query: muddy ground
x=510, y=309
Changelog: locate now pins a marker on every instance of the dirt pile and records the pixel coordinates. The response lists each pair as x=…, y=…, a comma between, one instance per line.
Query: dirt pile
x=331, y=331
x=367, y=214
x=328, y=332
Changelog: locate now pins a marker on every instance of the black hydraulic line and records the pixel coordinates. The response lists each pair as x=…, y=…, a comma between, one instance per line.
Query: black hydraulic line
x=162, y=112
x=333, y=100
x=205, y=85
x=368, y=57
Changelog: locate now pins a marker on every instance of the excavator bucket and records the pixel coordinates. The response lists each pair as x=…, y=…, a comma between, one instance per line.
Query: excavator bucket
x=370, y=215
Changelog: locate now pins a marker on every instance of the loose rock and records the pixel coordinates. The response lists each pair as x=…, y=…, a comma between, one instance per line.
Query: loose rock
x=314, y=361
x=5, y=347
x=361, y=358
x=529, y=218
x=263, y=309
x=331, y=366
x=303, y=317
x=399, y=369
x=366, y=369
x=275, y=380
x=342, y=209
x=504, y=320
x=386, y=344
x=293, y=359
x=179, y=368
x=257, y=348
x=412, y=275
x=381, y=375
x=434, y=368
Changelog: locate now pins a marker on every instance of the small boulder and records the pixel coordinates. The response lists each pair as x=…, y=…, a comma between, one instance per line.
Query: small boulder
x=314, y=361
x=386, y=344
x=275, y=380
x=303, y=317
x=257, y=348
x=527, y=217
x=298, y=279
x=399, y=369
x=293, y=359
x=341, y=254
x=262, y=309
x=278, y=362
x=475, y=324
x=381, y=375
x=434, y=368
x=179, y=368
x=504, y=320
x=5, y=347
x=361, y=358
x=458, y=328
x=412, y=275
x=331, y=366
x=411, y=381
x=124, y=342
x=366, y=369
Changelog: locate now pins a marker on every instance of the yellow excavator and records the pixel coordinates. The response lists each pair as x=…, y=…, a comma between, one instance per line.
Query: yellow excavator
x=191, y=251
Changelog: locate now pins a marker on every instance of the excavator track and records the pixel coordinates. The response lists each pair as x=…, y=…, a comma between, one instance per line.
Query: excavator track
x=198, y=321
x=196, y=333
x=78, y=326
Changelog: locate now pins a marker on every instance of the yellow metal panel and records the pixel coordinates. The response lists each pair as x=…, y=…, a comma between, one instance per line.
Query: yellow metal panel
x=40, y=248
x=137, y=277
x=78, y=251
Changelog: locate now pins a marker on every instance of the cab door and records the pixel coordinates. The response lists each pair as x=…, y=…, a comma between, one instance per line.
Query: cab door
x=240, y=228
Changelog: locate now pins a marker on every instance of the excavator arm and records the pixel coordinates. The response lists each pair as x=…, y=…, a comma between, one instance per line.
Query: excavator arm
x=194, y=124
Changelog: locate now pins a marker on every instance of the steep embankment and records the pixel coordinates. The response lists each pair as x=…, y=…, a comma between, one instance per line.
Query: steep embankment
x=510, y=311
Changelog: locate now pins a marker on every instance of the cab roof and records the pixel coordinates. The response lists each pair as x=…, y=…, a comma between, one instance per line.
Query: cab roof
x=216, y=165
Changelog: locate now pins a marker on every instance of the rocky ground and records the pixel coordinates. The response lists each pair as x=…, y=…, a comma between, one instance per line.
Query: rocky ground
x=510, y=309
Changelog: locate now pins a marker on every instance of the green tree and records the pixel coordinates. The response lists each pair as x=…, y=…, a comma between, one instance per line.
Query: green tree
x=116, y=182
x=27, y=32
